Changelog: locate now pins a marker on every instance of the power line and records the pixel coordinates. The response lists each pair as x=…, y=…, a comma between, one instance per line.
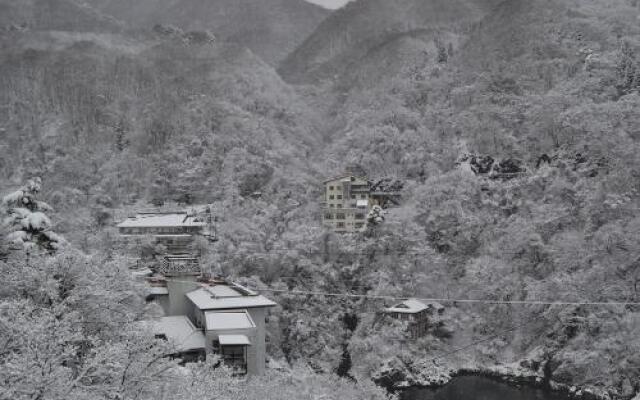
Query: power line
x=367, y=253
x=436, y=358
x=450, y=300
x=435, y=299
x=486, y=339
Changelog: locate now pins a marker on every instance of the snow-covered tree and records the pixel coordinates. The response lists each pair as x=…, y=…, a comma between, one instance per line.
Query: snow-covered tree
x=628, y=70
x=26, y=226
x=376, y=215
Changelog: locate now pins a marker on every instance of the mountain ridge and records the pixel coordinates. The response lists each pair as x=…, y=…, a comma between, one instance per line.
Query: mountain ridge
x=270, y=28
x=58, y=15
x=350, y=31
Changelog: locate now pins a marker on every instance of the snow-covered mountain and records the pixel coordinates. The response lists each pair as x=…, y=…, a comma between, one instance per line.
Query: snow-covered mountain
x=55, y=15
x=352, y=33
x=270, y=28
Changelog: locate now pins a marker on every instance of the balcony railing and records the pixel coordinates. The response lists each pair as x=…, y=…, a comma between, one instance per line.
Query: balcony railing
x=176, y=267
x=354, y=209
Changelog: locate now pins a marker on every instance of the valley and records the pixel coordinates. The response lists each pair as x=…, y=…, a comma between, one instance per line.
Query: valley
x=248, y=106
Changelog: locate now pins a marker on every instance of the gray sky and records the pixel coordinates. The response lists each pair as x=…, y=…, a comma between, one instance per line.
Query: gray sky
x=330, y=3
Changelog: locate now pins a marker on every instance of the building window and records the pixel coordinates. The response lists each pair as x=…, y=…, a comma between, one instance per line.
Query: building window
x=353, y=179
x=353, y=197
x=359, y=225
x=340, y=225
x=328, y=216
x=331, y=197
x=331, y=206
x=354, y=205
x=363, y=196
x=340, y=216
x=339, y=197
x=330, y=187
x=338, y=205
x=234, y=357
x=359, y=216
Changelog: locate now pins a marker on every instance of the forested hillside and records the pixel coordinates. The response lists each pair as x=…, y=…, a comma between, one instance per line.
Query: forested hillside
x=514, y=127
x=346, y=39
x=63, y=15
x=270, y=28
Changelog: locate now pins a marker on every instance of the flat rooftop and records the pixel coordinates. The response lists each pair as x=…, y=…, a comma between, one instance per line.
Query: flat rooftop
x=237, y=340
x=206, y=299
x=217, y=320
x=180, y=332
x=214, y=294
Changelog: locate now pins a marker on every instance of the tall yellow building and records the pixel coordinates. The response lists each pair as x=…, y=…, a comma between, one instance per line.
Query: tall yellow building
x=346, y=203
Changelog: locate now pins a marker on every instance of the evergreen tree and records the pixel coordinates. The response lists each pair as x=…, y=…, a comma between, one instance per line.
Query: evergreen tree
x=121, y=135
x=375, y=216
x=628, y=72
x=26, y=224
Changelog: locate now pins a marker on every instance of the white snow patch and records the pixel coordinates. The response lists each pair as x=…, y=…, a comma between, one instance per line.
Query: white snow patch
x=18, y=237
x=12, y=197
x=36, y=221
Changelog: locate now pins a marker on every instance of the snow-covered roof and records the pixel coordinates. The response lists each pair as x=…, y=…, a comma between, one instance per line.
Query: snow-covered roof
x=180, y=332
x=222, y=291
x=345, y=177
x=141, y=273
x=410, y=306
x=205, y=300
x=160, y=221
x=226, y=340
x=157, y=290
x=228, y=320
x=174, y=236
x=179, y=257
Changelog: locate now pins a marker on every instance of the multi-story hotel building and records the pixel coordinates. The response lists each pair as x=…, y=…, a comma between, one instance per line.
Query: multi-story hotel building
x=346, y=203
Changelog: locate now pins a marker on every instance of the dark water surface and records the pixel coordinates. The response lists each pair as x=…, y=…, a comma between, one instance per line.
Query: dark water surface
x=481, y=388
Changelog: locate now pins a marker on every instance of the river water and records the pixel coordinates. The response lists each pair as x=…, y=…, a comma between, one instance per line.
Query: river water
x=481, y=388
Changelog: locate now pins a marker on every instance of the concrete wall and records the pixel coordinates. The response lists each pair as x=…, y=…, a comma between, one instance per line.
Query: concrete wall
x=179, y=304
x=259, y=316
x=163, y=301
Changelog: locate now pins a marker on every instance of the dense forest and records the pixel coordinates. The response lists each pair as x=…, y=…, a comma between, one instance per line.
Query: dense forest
x=514, y=125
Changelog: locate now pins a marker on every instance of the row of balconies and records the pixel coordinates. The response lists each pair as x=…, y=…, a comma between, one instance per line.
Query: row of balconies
x=342, y=216
x=183, y=230
x=328, y=207
x=342, y=226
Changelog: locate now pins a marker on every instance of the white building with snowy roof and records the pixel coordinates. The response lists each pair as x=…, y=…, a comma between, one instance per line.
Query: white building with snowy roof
x=230, y=317
x=175, y=230
x=417, y=313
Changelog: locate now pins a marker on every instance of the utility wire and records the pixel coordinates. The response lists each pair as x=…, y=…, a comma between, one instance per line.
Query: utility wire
x=488, y=338
x=372, y=252
x=449, y=300
x=435, y=299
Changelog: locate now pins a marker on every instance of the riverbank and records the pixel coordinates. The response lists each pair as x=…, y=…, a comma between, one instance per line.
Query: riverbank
x=526, y=372
x=479, y=387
